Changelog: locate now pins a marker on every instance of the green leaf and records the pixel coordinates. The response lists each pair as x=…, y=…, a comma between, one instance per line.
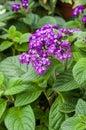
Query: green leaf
x=28, y=96
x=71, y=123
x=65, y=82
x=1, y=78
x=20, y=119
x=3, y=104
x=67, y=107
x=52, y=5
x=55, y=116
x=5, y=45
x=79, y=71
x=60, y=20
x=12, y=30
x=77, y=55
x=11, y=67
x=72, y=24
x=31, y=19
x=21, y=47
x=2, y=24
x=46, y=20
x=6, y=16
x=24, y=38
x=80, y=107
x=16, y=85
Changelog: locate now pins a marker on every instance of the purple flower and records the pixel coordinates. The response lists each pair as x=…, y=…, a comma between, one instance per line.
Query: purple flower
x=15, y=7
x=77, y=10
x=84, y=19
x=24, y=58
x=45, y=43
x=25, y=3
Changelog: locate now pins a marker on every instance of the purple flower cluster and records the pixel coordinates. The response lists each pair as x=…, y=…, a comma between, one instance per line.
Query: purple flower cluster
x=24, y=3
x=77, y=10
x=45, y=43
x=17, y=7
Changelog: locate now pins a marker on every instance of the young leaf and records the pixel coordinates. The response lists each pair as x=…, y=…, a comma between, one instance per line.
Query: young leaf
x=79, y=71
x=55, y=116
x=5, y=45
x=3, y=104
x=20, y=118
x=67, y=107
x=65, y=82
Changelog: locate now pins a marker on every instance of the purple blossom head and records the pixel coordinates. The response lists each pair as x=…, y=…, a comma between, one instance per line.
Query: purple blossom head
x=15, y=7
x=45, y=43
x=84, y=19
x=25, y=3
x=77, y=10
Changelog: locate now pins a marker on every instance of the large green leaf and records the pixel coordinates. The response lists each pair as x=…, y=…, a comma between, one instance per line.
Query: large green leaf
x=5, y=45
x=79, y=71
x=16, y=85
x=71, y=123
x=3, y=104
x=28, y=96
x=11, y=67
x=20, y=119
x=55, y=116
x=46, y=20
x=65, y=82
x=81, y=107
x=31, y=19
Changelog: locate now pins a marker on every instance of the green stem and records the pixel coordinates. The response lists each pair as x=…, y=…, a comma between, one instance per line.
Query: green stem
x=65, y=65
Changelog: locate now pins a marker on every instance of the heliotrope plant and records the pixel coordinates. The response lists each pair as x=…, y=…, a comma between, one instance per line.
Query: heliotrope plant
x=53, y=97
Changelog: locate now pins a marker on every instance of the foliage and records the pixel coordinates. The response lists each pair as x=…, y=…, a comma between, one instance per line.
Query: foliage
x=55, y=100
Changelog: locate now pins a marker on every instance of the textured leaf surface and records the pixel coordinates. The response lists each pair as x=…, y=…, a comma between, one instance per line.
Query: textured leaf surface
x=20, y=119
x=65, y=82
x=79, y=71
x=55, y=116
x=16, y=85
x=71, y=123
x=27, y=97
x=11, y=67
x=81, y=107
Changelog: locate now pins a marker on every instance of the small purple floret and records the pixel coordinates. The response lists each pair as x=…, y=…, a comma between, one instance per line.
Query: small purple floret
x=84, y=19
